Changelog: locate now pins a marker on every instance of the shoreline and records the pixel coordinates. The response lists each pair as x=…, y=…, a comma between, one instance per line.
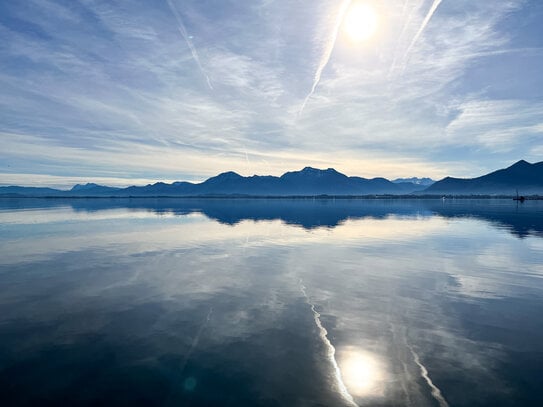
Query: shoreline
x=279, y=197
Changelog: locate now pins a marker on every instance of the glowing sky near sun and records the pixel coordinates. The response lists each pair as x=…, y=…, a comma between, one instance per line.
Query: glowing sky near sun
x=361, y=22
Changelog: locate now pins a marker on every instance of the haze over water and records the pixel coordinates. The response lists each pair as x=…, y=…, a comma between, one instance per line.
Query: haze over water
x=271, y=302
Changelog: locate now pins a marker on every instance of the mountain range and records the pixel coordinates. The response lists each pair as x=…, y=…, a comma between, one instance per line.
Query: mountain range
x=522, y=176
x=526, y=177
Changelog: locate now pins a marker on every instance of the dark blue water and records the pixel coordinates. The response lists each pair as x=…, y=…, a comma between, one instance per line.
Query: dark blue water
x=271, y=302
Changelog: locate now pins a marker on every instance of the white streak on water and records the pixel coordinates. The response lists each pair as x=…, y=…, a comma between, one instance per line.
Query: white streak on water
x=325, y=58
x=427, y=19
x=436, y=393
x=186, y=37
x=331, y=351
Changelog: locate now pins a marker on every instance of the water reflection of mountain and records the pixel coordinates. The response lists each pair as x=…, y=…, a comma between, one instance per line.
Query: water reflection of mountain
x=520, y=219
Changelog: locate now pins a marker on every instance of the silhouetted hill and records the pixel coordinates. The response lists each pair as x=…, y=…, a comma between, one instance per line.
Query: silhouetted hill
x=93, y=189
x=526, y=177
x=28, y=191
x=309, y=181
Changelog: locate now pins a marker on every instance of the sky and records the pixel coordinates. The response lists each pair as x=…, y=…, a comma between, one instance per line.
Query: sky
x=124, y=92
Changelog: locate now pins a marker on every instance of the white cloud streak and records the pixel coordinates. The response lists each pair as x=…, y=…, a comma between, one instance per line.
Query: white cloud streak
x=496, y=125
x=407, y=22
x=329, y=48
x=425, y=22
x=186, y=37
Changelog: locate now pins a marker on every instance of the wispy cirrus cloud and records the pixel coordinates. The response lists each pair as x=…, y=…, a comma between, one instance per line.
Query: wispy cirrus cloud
x=327, y=52
x=188, y=40
x=497, y=125
x=433, y=9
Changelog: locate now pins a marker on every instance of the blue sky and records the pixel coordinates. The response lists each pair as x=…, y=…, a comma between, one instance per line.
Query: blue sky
x=133, y=91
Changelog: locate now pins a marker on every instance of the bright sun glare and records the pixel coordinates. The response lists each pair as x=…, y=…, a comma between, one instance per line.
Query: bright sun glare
x=360, y=22
x=362, y=373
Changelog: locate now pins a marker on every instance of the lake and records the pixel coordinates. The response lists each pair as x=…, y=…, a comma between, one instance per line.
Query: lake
x=271, y=302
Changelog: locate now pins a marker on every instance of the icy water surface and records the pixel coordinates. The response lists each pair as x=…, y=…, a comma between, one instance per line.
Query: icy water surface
x=271, y=302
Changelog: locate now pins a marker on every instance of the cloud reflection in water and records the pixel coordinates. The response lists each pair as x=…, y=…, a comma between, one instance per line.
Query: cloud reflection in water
x=460, y=284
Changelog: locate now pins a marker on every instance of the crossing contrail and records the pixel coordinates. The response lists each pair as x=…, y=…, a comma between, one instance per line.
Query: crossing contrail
x=327, y=52
x=402, y=34
x=186, y=37
x=427, y=19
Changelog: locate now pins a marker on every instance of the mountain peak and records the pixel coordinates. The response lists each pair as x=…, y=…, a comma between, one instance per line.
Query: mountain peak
x=228, y=174
x=81, y=187
x=310, y=170
x=522, y=176
x=521, y=163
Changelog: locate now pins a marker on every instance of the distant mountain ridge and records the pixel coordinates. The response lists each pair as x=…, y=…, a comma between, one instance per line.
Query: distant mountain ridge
x=308, y=181
x=415, y=180
x=528, y=178
x=522, y=176
x=92, y=187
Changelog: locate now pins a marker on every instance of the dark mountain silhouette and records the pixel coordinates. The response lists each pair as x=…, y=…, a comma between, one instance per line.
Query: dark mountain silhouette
x=309, y=181
x=92, y=189
x=526, y=177
x=28, y=191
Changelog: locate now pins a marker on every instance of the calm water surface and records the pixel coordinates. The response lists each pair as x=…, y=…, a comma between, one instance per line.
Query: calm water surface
x=271, y=303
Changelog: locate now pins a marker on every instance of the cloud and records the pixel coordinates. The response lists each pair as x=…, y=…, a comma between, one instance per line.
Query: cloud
x=496, y=125
x=327, y=52
x=109, y=83
x=187, y=38
x=425, y=22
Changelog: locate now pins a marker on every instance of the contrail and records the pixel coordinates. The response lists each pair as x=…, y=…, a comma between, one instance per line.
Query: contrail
x=186, y=37
x=436, y=393
x=323, y=334
x=427, y=19
x=327, y=52
x=402, y=34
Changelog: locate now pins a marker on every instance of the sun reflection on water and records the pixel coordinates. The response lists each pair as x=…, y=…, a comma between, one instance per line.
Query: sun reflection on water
x=362, y=372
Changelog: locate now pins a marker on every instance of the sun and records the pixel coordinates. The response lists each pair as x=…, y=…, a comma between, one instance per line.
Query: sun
x=361, y=22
